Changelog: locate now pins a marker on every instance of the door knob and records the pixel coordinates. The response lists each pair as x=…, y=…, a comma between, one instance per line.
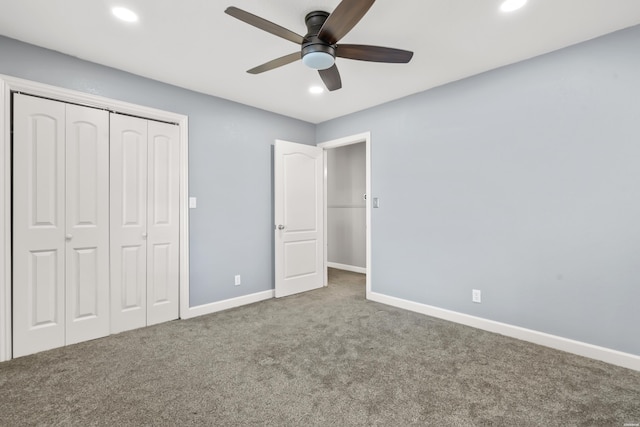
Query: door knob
x=144, y=235
x=68, y=236
x=281, y=227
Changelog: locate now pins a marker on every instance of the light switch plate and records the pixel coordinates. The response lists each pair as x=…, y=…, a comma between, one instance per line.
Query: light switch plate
x=193, y=202
x=376, y=202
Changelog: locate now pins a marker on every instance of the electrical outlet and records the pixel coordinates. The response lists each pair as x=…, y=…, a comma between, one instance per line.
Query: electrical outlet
x=237, y=280
x=476, y=296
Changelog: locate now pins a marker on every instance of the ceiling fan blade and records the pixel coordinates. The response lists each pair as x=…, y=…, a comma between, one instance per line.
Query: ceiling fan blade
x=278, y=62
x=373, y=53
x=263, y=24
x=345, y=16
x=331, y=78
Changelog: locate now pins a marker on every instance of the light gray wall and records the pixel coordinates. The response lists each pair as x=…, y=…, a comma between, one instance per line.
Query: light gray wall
x=523, y=182
x=230, y=171
x=346, y=215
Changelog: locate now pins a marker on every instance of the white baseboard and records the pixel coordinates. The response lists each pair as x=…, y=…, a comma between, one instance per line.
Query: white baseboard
x=346, y=267
x=604, y=354
x=214, y=307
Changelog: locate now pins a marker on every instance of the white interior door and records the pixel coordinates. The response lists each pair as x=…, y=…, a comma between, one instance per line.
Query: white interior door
x=87, y=223
x=163, y=222
x=38, y=225
x=128, y=222
x=299, y=247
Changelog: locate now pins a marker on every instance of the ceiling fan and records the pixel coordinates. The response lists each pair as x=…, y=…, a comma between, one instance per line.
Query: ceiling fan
x=319, y=47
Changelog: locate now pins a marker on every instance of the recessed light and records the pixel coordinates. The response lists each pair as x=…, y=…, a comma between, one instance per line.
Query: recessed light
x=512, y=5
x=316, y=90
x=124, y=14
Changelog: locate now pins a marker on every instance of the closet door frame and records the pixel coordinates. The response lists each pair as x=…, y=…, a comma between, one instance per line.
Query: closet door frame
x=9, y=85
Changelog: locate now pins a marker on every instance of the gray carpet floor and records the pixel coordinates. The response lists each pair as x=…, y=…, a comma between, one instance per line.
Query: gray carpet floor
x=326, y=357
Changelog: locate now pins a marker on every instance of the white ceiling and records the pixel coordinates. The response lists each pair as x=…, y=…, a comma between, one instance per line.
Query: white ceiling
x=195, y=45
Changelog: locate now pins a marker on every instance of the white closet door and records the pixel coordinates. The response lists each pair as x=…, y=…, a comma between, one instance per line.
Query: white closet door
x=163, y=222
x=128, y=222
x=38, y=225
x=87, y=219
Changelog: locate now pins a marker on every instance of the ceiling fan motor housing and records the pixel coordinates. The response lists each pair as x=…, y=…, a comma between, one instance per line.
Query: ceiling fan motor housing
x=312, y=44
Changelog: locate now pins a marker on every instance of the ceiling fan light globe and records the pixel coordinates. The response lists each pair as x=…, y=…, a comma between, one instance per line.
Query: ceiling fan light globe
x=318, y=60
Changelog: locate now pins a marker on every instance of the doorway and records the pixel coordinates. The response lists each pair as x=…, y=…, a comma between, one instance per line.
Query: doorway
x=347, y=208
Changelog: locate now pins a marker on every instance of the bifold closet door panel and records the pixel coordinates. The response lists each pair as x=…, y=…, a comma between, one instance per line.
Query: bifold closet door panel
x=128, y=155
x=95, y=213
x=163, y=222
x=87, y=228
x=38, y=224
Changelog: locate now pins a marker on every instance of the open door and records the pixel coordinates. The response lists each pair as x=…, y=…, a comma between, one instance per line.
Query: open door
x=299, y=234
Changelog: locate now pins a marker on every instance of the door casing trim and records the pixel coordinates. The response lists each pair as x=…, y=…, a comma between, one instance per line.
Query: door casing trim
x=365, y=138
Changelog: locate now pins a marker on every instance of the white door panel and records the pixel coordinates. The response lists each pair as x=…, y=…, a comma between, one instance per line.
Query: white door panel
x=131, y=280
x=38, y=225
x=300, y=193
x=163, y=222
x=43, y=289
x=128, y=154
x=298, y=178
x=301, y=258
x=87, y=223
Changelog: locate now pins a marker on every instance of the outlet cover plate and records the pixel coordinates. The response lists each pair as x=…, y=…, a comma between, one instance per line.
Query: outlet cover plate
x=476, y=296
